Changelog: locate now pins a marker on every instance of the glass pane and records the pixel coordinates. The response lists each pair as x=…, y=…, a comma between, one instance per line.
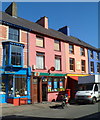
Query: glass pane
x=20, y=86
x=13, y=34
x=10, y=86
x=57, y=64
x=16, y=55
x=6, y=55
x=40, y=62
x=39, y=42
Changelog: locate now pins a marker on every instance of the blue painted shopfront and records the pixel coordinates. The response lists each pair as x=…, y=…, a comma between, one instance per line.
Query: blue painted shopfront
x=15, y=83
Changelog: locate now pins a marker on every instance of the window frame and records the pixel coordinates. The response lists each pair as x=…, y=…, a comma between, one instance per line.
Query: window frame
x=92, y=67
x=91, y=54
x=71, y=51
x=57, y=42
x=82, y=51
x=83, y=66
x=72, y=64
x=42, y=38
x=98, y=67
x=9, y=54
x=58, y=57
x=43, y=55
x=56, y=84
x=12, y=34
x=97, y=55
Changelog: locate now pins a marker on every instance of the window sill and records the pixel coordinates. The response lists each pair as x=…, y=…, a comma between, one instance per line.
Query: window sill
x=57, y=50
x=40, y=69
x=40, y=47
x=72, y=70
x=18, y=66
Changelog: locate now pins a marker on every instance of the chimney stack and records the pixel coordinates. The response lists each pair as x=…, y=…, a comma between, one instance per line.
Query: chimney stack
x=43, y=22
x=12, y=9
x=65, y=30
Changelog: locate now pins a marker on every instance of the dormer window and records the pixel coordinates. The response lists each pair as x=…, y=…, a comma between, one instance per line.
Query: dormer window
x=13, y=34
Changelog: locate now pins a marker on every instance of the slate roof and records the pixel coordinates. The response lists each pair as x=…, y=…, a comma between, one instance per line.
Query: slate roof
x=34, y=27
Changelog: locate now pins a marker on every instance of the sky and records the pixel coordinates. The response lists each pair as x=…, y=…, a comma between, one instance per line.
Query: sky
x=81, y=17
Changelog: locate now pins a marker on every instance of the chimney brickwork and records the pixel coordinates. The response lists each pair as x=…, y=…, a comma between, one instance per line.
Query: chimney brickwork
x=43, y=22
x=12, y=9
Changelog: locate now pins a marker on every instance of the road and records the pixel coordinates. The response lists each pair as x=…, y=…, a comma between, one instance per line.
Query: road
x=52, y=111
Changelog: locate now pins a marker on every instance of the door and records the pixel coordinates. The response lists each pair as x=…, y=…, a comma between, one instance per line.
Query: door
x=44, y=92
x=34, y=90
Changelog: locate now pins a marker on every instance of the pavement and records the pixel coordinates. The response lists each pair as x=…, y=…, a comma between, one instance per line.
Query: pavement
x=50, y=111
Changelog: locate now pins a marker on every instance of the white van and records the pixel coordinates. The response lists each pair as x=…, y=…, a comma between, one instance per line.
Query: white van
x=89, y=89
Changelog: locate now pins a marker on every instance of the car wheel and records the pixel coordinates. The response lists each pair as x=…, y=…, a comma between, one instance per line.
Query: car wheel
x=93, y=100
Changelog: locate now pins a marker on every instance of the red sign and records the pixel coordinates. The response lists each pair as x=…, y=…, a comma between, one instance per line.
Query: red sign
x=52, y=68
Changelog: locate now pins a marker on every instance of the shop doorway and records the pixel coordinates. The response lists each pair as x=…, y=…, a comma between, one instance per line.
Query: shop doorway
x=44, y=92
x=72, y=85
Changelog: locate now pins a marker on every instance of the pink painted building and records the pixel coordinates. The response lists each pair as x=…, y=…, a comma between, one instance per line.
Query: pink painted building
x=46, y=53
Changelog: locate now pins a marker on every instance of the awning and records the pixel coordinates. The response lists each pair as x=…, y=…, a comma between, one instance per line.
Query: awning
x=47, y=74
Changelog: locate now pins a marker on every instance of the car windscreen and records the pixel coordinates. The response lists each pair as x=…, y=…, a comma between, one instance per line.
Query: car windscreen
x=85, y=87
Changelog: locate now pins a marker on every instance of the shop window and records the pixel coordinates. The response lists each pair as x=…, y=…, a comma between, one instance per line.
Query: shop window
x=82, y=51
x=92, y=66
x=71, y=49
x=98, y=67
x=55, y=84
x=72, y=64
x=20, y=87
x=57, y=62
x=57, y=45
x=40, y=60
x=83, y=65
x=39, y=41
x=12, y=54
x=13, y=34
x=17, y=86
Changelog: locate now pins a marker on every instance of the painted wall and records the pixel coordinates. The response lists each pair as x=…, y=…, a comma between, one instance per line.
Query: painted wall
x=77, y=58
x=4, y=37
x=49, y=53
x=95, y=60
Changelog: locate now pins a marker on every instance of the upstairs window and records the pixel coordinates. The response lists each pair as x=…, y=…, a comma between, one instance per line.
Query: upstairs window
x=40, y=60
x=92, y=67
x=97, y=56
x=98, y=67
x=83, y=65
x=82, y=51
x=16, y=53
x=39, y=41
x=72, y=64
x=12, y=54
x=14, y=34
x=57, y=62
x=71, y=49
x=57, y=45
x=91, y=54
